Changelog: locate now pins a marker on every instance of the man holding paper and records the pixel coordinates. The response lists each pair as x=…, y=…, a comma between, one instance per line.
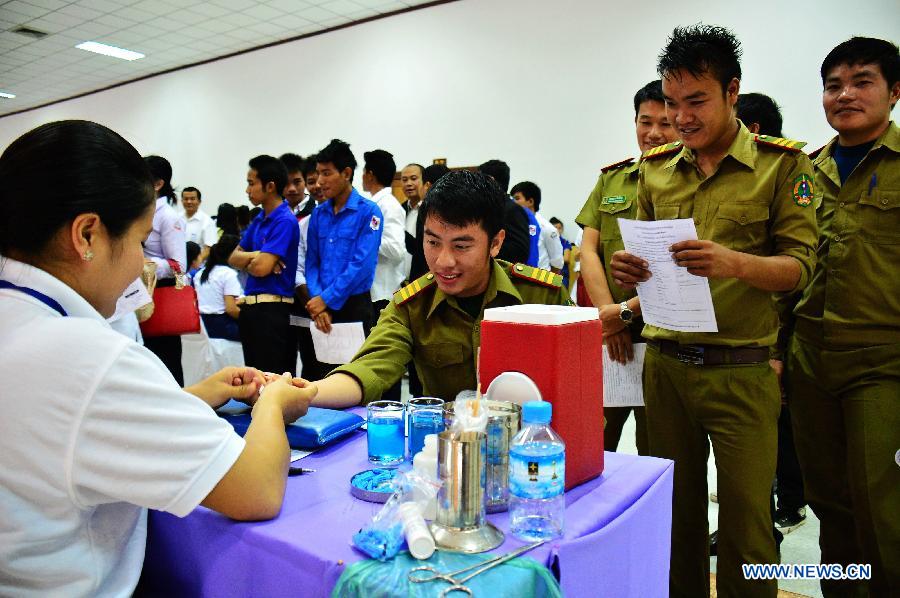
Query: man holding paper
x=435, y=321
x=751, y=200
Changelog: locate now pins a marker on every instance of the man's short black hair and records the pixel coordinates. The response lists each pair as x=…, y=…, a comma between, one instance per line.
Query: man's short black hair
x=463, y=197
x=760, y=109
x=270, y=170
x=865, y=50
x=529, y=191
x=309, y=165
x=192, y=190
x=651, y=92
x=497, y=170
x=434, y=172
x=554, y=221
x=292, y=162
x=700, y=49
x=381, y=164
x=338, y=153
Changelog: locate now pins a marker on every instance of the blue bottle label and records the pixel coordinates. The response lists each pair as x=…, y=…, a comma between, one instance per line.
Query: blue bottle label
x=537, y=476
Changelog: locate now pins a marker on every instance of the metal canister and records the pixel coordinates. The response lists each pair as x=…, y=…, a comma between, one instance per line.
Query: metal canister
x=504, y=421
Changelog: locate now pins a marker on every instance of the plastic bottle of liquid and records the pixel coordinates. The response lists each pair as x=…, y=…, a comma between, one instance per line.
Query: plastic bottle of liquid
x=537, y=476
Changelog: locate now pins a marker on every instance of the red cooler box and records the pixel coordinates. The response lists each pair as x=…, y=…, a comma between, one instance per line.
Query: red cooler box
x=560, y=349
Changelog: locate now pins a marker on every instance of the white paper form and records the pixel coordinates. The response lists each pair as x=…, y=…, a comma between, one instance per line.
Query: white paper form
x=340, y=345
x=622, y=384
x=673, y=298
x=135, y=296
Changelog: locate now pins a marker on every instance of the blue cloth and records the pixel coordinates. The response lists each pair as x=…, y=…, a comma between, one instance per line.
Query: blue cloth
x=520, y=577
x=566, y=245
x=278, y=234
x=534, y=238
x=342, y=249
x=848, y=157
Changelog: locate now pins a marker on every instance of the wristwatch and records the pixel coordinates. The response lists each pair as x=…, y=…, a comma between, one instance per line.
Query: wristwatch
x=626, y=314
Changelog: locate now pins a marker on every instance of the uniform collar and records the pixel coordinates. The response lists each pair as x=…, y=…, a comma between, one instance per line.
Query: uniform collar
x=385, y=191
x=824, y=162
x=352, y=201
x=742, y=149
x=25, y=275
x=499, y=283
x=633, y=168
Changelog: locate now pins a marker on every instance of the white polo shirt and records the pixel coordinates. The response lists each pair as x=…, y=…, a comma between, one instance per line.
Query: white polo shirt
x=95, y=432
x=390, y=269
x=200, y=228
x=223, y=280
x=550, y=253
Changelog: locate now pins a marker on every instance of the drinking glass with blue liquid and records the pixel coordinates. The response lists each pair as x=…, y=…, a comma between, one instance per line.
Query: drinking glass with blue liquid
x=425, y=416
x=385, y=432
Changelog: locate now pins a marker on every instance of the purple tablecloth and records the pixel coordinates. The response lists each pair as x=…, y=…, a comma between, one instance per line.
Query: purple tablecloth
x=616, y=541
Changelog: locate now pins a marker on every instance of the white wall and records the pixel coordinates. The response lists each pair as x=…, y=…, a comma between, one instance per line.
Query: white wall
x=546, y=86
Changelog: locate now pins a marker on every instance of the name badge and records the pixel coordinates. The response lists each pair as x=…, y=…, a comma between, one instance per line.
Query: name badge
x=614, y=199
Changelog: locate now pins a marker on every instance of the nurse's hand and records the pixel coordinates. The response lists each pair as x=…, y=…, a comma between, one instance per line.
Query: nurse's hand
x=241, y=383
x=292, y=395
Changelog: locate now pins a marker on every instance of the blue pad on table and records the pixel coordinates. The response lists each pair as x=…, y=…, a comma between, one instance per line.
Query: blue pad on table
x=317, y=428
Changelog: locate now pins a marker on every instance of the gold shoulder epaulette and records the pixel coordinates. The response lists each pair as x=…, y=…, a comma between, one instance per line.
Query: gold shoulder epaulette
x=815, y=154
x=625, y=162
x=542, y=277
x=661, y=150
x=414, y=288
x=780, y=142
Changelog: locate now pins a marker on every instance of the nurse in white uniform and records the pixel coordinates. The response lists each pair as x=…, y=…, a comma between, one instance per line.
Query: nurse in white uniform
x=95, y=429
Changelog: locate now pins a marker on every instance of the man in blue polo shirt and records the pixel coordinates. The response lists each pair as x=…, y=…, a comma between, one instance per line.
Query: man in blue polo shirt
x=268, y=253
x=342, y=244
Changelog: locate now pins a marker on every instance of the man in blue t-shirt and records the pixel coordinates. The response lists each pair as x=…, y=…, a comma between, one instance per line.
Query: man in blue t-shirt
x=268, y=253
x=342, y=248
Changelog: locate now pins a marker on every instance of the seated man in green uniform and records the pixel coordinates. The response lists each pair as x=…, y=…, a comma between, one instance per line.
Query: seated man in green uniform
x=844, y=361
x=435, y=321
x=750, y=197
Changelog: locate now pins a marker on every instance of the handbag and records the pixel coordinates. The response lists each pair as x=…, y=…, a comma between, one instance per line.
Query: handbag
x=317, y=428
x=175, y=309
x=148, y=277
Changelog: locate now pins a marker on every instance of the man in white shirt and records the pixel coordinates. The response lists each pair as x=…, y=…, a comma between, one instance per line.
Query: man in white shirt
x=378, y=173
x=200, y=226
x=550, y=253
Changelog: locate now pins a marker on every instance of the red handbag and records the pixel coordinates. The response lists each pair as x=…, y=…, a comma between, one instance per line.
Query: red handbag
x=175, y=310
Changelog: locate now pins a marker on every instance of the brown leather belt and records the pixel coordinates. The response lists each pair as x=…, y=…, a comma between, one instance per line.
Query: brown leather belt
x=711, y=354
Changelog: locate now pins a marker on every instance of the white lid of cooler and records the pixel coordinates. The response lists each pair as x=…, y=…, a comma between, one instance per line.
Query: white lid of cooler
x=547, y=315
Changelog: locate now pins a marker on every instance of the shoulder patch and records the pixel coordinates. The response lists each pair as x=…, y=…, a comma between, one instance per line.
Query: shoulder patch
x=789, y=145
x=662, y=150
x=414, y=288
x=815, y=154
x=625, y=162
x=542, y=277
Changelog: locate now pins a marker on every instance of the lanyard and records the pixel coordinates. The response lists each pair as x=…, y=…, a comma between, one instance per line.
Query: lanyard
x=46, y=300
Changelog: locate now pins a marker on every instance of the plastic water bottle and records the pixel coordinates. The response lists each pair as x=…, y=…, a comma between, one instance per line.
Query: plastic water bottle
x=537, y=476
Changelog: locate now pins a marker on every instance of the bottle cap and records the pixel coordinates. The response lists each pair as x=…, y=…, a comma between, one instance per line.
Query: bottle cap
x=431, y=444
x=538, y=412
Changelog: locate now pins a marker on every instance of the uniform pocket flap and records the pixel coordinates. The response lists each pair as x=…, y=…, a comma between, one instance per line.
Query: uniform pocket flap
x=744, y=214
x=441, y=354
x=883, y=200
x=616, y=204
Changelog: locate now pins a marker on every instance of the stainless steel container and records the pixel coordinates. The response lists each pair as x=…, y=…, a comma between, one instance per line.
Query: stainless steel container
x=504, y=421
x=460, y=523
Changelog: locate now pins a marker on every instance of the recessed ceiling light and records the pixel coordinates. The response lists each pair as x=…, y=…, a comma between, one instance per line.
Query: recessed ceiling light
x=8, y=96
x=107, y=50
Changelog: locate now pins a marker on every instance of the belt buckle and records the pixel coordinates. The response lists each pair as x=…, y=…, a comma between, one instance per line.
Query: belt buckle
x=689, y=354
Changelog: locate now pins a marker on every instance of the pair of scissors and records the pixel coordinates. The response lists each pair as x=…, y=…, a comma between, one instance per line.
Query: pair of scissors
x=458, y=585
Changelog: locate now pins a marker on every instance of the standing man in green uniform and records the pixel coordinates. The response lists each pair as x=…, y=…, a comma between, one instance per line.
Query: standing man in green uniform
x=435, y=321
x=751, y=200
x=844, y=362
x=615, y=196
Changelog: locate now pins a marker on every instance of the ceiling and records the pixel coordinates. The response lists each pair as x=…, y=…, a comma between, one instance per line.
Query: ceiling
x=171, y=33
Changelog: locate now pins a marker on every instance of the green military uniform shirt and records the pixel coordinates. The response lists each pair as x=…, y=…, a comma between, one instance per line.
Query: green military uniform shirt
x=854, y=297
x=758, y=201
x=426, y=326
x=614, y=197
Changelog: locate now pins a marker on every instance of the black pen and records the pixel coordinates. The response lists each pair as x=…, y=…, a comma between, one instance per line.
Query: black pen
x=299, y=471
x=873, y=182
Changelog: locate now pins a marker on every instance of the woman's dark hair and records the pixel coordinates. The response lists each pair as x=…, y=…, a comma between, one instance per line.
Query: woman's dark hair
x=243, y=217
x=99, y=172
x=227, y=220
x=219, y=254
x=192, y=251
x=461, y=198
x=162, y=171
